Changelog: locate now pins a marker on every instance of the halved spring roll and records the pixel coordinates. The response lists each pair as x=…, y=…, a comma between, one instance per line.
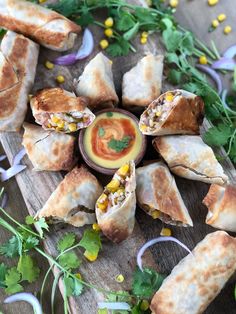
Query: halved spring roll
x=198, y=278
x=174, y=112
x=115, y=208
x=142, y=84
x=158, y=195
x=47, y=150
x=221, y=204
x=96, y=83
x=44, y=26
x=189, y=157
x=59, y=110
x=74, y=199
x=18, y=61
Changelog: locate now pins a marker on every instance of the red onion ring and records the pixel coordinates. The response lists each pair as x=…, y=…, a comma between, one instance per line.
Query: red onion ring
x=11, y=172
x=154, y=241
x=223, y=98
x=84, y=51
x=121, y=306
x=28, y=297
x=19, y=156
x=230, y=52
x=224, y=64
x=2, y=157
x=213, y=74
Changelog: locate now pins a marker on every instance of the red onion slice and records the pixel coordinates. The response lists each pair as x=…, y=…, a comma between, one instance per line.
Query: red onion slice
x=2, y=157
x=212, y=73
x=4, y=200
x=2, y=170
x=11, y=172
x=230, y=52
x=223, y=98
x=154, y=241
x=19, y=156
x=28, y=297
x=84, y=51
x=120, y=306
x=224, y=64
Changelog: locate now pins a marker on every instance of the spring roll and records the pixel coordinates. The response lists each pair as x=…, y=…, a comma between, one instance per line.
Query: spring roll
x=47, y=150
x=74, y=199
x=115, y=208
x=61, y=111
x=158, y=195
x=18, y=61
x=174, y=112
x=96, y=83
x=189, y=157
x=221, y=204
x=197, y=279
x=142, y=84
x=44, y=26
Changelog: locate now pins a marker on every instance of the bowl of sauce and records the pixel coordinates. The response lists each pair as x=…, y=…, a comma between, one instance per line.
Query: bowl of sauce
x=112, y=140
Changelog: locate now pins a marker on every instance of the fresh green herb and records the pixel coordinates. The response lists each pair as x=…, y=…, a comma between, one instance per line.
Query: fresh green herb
x=73, y=286
x=27, y=268
x=146, y=283
x=12, y=281
x=218, y=135
x=2, y=32
x=66, y=242
x=101, y=132
x=91, y=241
x=119, y=145
x=10, y=248
x=3, y=271
x=109, y=114
x=69, y=260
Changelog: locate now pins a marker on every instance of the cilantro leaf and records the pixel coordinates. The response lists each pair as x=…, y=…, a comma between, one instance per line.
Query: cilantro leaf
x=2, y=32
x=85, y=17
x=69, y=260
x=172, y=57
x=10, y=248
x=187, y=44
x=91, y=241
x=171, y=39
x=65, y=7
x=119, y=145
x=30, y=243
x=174, y=76
x=29, y=220
x=27, y=268
x=73, y=286
x=145, y=16
x=120, y=47
x=145, y=283
x=101, y=132
x=66, y=242
x=217, y=135
x=232, y=153
x=41, y=225
x=131, y=32
x=125, y=21
x=12, y=281
x=3, y=271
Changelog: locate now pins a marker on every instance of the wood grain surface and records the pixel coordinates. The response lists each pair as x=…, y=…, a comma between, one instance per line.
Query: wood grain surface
x=36, y=187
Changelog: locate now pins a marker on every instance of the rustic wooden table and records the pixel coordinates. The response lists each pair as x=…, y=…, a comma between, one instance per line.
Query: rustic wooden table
x=196, y=16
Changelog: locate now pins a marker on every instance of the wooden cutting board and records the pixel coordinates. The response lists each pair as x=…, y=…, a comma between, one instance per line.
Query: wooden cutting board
x=36, y=187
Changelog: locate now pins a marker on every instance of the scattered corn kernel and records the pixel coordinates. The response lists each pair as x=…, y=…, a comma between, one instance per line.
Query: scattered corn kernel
x=121, y=190
x=158, y=113
x=155, y=214
x=144, y=34
x=109, y=22
x=58, y=129
x=61, y=124
x=72, y=127
x=102, y=202
x=42, y=1
x=102, y=311
x=91, y=257
x=143, y=40
x=60, y=79
x=212, y=2
x=110, y=61
x=215, y=23
x=123, y=170
x=227, y=29
x=169, y=96
x=113, y=185
x=49, y=65
x=108, y=32
x=144, y=306
x=96, y=227
x=221, y=17
x=143, y=127
x=104, y=43
x=49, y=126
x=165, y=232
x=203, y=60
x=120, y=278
x=149, y=2
x=174, y=3
x=78, y=275
x=55, y=119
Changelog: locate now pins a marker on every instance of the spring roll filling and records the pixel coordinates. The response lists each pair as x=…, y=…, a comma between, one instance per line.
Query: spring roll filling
x=65, y=122
x=159, y=111
x=115, y=192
